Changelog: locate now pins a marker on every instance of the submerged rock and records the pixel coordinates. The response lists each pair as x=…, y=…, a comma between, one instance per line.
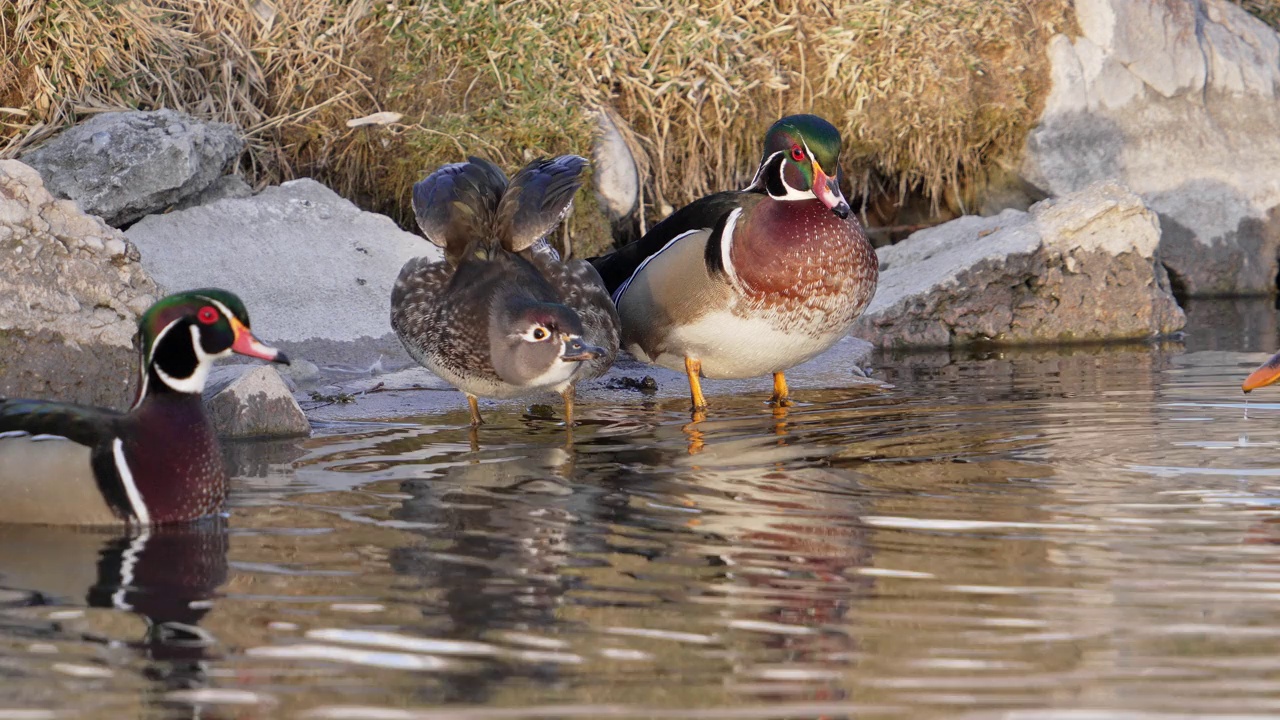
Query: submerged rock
x=252, y=401
x=314, y=270
x=124, y=165
x=71, y=289
x=1179, y=101
x=1078, y=268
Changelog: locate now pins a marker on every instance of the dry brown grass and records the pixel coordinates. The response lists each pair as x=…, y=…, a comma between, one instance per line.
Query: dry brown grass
x=269, y=67
x=1267, y=10
x=928, y=92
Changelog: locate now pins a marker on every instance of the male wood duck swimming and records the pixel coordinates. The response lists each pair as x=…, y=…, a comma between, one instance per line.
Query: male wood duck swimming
x=501, y=316
x=1266, y=374
x=743, y=283
x=158, y=463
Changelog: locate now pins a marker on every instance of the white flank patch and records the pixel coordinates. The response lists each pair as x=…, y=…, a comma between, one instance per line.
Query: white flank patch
x=13, y=434
x=130, y=488
x=734, y=347
x=46, y=436
x=726, y=245
x=617, y=294
x=127, y=563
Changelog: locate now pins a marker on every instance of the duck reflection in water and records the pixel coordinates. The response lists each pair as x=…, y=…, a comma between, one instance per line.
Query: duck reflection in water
x=165, y=575
x=530, y=543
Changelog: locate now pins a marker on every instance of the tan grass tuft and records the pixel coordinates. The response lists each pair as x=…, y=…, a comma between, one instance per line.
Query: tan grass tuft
x=1267, y=10
x=927, y=92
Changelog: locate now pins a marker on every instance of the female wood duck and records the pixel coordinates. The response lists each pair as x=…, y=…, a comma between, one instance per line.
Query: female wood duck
x=158, y=463
x=1266, y=374
x=743, y=283
x=501, y=316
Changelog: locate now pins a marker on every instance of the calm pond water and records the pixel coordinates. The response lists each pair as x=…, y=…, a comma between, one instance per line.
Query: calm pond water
x=1082, y=533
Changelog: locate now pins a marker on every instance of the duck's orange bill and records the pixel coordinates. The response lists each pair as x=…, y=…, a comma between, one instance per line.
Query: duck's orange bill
x=246, y=344
x=1268, y=373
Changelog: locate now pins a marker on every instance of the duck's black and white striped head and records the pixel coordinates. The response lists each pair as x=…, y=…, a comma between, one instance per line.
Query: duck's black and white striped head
x=181, y=336
x=802, y=162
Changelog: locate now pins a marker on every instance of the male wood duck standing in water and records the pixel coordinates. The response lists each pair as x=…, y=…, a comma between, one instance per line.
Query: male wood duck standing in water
x=502, y=316
x=158, y=463
x=743, y=283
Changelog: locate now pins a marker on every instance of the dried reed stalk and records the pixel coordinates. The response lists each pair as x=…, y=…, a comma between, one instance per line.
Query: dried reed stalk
x=929, y=93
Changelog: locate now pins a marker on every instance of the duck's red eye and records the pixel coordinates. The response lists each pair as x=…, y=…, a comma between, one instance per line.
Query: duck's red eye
x=207, y=315
x=797, y=153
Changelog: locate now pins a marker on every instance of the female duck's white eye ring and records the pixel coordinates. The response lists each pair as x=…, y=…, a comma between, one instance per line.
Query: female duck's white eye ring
x=540, y=333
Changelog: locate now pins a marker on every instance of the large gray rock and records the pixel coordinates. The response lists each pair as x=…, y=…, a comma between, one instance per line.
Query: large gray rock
x=62, y=270
x=1177, y=99
x=71, y=290
x=227, y=186
x=124, y=165
x=252, y=401
x=314, y=271
x=1078, y=268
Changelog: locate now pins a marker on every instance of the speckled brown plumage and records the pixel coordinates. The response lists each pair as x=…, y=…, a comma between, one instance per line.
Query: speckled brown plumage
x=579, y=286
x=442, y=315
x=803, y=266
x=450, y=314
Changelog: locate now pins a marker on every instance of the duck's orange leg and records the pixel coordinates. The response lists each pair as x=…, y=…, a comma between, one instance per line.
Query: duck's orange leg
x=475, y=411
x=781, y=396
x=694, y=370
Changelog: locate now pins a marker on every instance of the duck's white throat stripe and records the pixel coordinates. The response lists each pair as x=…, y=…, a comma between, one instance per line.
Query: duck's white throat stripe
x=204, y=363
x=130, y=487
x=792, y=193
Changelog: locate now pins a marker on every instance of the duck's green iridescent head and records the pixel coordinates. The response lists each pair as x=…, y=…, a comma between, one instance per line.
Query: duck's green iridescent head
x=181, y=335
x=801, y=161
